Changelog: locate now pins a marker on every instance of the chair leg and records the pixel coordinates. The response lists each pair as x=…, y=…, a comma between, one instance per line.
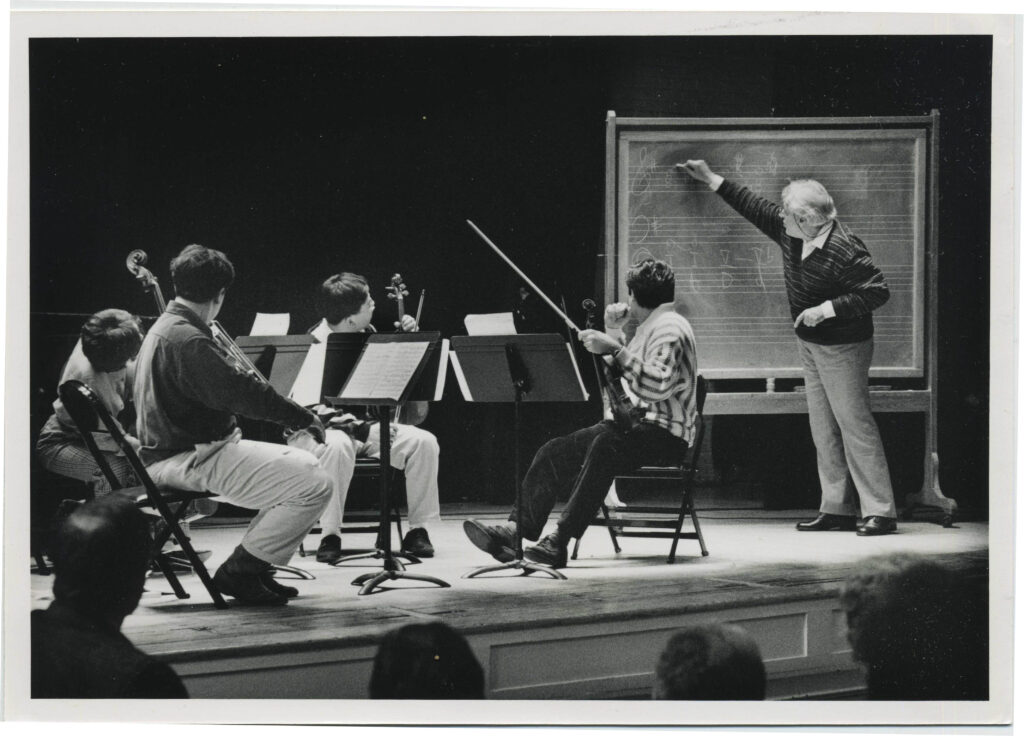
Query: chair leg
x=197, y=564
x=611, y=530
x=576, y=547
x=696, y=525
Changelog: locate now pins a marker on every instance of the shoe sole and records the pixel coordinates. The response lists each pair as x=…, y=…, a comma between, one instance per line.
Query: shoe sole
x=485, y=543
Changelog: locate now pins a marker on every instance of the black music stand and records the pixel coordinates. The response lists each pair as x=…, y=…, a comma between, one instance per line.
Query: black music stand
x=278, y=357
x=517, y=369
x=393, y=569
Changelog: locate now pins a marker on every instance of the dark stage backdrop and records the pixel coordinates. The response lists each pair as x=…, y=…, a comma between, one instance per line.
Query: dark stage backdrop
x=302, y=157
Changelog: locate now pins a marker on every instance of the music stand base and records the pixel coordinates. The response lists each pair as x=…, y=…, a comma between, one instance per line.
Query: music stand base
x=378, y=555
x=371, y=580
x=526, y=566
x=294, y=572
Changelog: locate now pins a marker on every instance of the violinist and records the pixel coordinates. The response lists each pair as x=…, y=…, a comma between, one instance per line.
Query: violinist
x=659, y=367
x=187, y=392
x=345, y=304
x=101, y=360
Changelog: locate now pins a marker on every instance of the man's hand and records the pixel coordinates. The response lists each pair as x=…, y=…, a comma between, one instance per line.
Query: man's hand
x=615, y=316
x=316, y=430
x=408, y=324
x=811, y=316
x=598, y=343
x=698, y=169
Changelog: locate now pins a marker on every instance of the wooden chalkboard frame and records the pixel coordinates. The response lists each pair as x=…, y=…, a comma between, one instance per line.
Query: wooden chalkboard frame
x=724, y=399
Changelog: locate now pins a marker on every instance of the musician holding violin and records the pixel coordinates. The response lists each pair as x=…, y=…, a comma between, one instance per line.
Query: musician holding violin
x=187, y=392
x=345, y=304
x=649, y=423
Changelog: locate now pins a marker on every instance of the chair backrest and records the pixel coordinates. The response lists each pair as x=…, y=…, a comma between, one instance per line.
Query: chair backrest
x=88, y=413
x=702, y=393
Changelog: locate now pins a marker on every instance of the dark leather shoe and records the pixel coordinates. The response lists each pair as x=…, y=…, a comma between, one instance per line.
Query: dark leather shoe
x=267, y=578
x=417, y=543
x=246, y=588
x=874, y=526
x=548, y=551
x=497, y=541
x=828, y=523
x=329, y=550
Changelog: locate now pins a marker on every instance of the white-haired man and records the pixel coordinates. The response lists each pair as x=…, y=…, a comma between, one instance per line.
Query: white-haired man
x=833, y=286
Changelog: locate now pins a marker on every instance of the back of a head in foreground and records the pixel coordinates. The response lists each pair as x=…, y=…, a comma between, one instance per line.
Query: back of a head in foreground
x=100, y=556
x=710, y=662
x=919, y=627
x=426, y=661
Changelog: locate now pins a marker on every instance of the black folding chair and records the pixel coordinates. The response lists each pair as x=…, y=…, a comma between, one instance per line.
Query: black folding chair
x=89, y=414
x=662, y=521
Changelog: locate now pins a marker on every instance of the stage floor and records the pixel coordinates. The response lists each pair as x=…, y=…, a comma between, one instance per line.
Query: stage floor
x=757, y=563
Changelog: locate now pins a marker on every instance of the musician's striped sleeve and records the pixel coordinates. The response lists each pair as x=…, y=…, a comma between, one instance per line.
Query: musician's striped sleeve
x=667, y=366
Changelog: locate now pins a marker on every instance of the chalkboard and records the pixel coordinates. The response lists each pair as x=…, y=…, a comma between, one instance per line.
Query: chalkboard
x=729, y=276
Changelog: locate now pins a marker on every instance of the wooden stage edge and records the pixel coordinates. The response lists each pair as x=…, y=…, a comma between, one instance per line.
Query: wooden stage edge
x=596, y=635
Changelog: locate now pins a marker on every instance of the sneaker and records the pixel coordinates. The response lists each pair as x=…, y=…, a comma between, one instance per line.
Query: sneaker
x=329, y=550
x=267, y=578
x=417, y=543
x=548, y=551
x=497, y=541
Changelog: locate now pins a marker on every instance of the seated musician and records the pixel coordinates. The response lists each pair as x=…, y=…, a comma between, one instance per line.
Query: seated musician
x=659, y=366
x=187, y=392
x=109, y=341
x=345, y=304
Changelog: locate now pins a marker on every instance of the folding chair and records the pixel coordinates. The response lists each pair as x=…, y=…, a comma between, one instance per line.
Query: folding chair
x=654, y=520
x=88, y=413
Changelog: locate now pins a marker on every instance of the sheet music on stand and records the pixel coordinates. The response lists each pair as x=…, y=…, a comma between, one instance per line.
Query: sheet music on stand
x=384, y=371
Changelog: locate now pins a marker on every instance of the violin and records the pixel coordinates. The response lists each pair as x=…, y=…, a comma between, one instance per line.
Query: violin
x=411, y=412
x=625, y=414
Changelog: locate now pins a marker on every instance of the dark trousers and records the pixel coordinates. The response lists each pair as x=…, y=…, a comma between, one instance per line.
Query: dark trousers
x=584, y=463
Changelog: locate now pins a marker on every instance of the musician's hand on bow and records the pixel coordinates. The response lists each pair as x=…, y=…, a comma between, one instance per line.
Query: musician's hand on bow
x=616, y=315
x=408, y=324
x=341, y=420
x=598, y=342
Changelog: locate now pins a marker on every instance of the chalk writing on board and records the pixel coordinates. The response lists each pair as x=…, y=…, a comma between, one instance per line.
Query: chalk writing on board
x=729, y=276
x=641, y=181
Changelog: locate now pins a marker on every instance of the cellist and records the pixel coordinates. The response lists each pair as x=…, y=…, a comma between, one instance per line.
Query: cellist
x=659, y=366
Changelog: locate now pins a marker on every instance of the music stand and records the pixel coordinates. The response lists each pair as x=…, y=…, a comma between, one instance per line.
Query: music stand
x=358, y=391
x=517, y=369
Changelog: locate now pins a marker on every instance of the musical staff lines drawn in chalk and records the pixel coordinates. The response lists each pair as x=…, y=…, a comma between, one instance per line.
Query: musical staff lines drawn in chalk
x=648, y=177
x=764, y=331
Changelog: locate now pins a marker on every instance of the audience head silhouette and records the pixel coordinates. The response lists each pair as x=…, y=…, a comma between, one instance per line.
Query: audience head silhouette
x=100, y=556
x=710, y=662
x=920, y=628
x=426, y=661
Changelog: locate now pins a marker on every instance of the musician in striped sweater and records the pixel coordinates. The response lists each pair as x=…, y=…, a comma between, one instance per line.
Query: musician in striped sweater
x=833, y=286
x=659, y=368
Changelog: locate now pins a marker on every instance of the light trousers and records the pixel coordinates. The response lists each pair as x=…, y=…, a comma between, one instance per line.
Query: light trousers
x=851, y=459
x=413, y=450
x=287, y=485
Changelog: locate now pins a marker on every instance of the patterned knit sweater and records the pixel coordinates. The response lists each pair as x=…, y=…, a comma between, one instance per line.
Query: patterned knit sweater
x=841, y=270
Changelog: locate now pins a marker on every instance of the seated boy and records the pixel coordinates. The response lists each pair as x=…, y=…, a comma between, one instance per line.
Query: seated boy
x=110, y=340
